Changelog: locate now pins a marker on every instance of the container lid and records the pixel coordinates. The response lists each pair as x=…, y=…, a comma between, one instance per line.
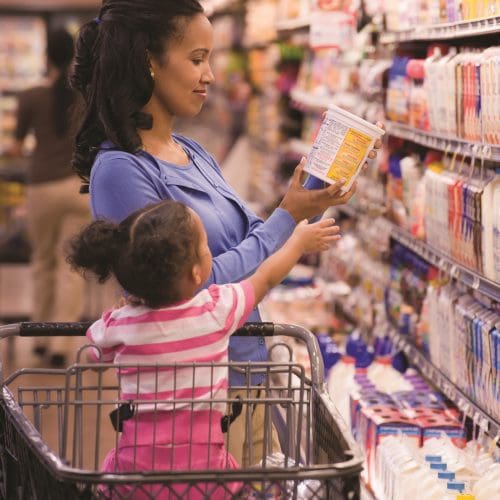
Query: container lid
x=374, y=129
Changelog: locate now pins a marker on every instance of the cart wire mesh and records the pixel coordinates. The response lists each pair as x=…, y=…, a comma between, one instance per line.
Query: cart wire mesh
x=48, y=451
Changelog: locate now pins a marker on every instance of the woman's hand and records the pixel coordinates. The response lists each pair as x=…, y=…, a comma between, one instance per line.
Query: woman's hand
x=378, y=144
x=303, y=203
x=316, y=237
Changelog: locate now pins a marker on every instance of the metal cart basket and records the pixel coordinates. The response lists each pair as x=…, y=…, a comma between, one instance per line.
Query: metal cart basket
x=55, y=430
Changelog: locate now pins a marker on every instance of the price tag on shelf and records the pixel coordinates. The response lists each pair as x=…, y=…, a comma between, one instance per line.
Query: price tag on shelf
x=454, y=271
x=476, y=283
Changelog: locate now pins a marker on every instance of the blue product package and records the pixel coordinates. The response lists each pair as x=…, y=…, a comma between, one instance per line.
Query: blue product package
x=323, y=340
x=331, y=356
x=399, y=362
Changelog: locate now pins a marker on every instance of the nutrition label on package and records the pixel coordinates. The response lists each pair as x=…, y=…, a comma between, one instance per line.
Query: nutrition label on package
x=338, y=151
x=350, y=155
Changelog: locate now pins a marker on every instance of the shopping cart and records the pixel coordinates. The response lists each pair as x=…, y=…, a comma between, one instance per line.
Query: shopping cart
x=55, y=430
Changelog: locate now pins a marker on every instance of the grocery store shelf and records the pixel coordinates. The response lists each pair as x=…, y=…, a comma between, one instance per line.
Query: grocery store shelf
x=346, y=100
x=441, y=142
x=299, y=23
x=438, y=379
x=454, y=269
x=445, y=31
x=457, y=271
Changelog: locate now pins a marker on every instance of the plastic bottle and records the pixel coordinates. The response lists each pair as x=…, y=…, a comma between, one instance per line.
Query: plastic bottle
x=385, y=377
x=323, y=340
x=340, y=383
x=355, y=344
x=331, y=356
x=357, y=348
x=486, y=488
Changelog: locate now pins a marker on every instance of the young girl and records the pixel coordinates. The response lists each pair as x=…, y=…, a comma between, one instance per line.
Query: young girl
x=160, y=256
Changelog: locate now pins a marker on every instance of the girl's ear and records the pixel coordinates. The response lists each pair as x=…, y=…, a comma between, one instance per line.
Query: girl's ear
x=196, y=275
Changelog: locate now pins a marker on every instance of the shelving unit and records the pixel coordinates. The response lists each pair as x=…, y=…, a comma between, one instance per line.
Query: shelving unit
x=417, y=358
x=470, y=278
x=444, y=143
x=445, y=31
x=285, y=25
x=311, y=102
x=437, y=378
x=457, y=271
x=432, y=140
x=480, y=417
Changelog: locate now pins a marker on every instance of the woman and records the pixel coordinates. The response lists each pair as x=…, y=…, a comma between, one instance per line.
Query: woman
x=139, y=65
x=55, y=211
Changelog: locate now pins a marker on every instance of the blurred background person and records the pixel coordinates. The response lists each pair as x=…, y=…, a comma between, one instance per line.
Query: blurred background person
x=56, y=210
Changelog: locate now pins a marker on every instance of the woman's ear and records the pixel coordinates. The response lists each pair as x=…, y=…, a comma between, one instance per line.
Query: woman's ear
x=151, y=65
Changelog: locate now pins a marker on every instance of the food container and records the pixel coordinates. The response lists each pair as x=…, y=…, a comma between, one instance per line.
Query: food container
x=341, y=147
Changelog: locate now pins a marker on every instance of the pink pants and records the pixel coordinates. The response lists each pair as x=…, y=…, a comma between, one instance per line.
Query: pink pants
x=134, y=455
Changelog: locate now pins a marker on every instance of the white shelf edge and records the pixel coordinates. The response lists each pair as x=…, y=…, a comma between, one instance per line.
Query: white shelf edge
x=319, y=103
x=292, y=24
x=433, y=140
x=445, y=31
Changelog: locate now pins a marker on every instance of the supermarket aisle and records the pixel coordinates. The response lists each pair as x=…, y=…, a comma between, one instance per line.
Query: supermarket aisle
x=406, y=306
x=237, y=167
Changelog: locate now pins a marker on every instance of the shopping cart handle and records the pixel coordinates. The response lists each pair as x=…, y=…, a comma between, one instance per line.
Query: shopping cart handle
x=29, y=329
x=255, y=329
x=78, y=329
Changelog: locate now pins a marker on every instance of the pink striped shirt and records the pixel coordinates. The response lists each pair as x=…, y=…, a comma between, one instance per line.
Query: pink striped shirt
x=147, y=343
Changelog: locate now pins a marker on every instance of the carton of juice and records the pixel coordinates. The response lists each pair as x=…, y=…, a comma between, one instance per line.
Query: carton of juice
x=341, y=147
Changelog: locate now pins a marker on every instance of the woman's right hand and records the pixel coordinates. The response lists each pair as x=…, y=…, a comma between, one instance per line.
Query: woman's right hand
x=302, y=203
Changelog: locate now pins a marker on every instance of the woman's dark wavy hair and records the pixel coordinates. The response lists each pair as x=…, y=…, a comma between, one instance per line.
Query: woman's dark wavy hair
x=60, y=52
x=148, y=252
x=112, y=71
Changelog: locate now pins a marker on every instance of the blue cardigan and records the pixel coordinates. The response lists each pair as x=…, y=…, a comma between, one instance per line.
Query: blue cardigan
x=121, y=183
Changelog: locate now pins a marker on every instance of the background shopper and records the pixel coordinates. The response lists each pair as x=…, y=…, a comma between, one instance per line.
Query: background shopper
x=55, y=210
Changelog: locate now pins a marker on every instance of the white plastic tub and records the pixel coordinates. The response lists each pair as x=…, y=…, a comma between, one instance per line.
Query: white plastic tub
x=341, y=147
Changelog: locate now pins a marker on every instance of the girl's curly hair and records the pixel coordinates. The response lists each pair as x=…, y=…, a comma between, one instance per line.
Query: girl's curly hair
x=149, y=252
